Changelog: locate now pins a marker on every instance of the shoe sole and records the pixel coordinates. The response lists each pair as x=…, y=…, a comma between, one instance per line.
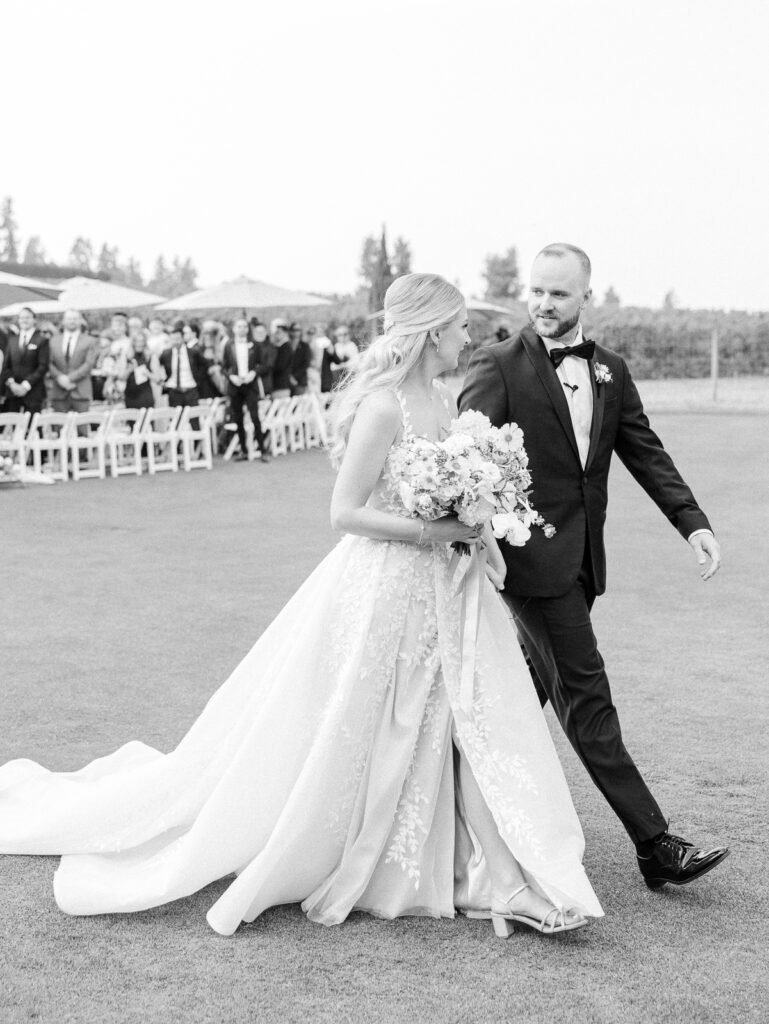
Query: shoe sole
x=657, y=883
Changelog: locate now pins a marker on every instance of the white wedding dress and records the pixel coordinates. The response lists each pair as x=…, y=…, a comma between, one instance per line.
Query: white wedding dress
x=322, y=771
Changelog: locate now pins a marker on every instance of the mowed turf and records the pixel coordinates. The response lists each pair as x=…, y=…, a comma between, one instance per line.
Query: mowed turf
x=126, y=602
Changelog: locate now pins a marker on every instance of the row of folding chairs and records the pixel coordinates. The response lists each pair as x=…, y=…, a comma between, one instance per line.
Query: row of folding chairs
x=121, y=441
x=289, y=424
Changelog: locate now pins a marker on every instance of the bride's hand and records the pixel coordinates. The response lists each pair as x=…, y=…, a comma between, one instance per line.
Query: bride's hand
x=448, y=529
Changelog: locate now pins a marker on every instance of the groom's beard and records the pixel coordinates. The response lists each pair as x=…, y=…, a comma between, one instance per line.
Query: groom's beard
x=557, y=328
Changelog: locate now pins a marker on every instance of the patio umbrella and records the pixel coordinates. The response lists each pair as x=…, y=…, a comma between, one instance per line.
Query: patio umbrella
x=243, y=293
x=15, y=288
x=88, y=294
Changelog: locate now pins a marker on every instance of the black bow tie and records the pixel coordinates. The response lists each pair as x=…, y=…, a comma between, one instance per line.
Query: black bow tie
x=582, y=351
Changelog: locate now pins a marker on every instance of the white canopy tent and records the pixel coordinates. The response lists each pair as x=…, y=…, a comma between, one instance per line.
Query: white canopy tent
x=243, y=293
x=87, y=294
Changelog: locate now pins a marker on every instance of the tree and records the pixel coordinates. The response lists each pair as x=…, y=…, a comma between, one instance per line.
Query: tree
x=401, y=257
x=160, y=279
x=81, y=254
x=8, y=227
x=368, y=260
x=611, y=300
x=383, y=275
x=183, y=277
x=35, y=253
x=670, y=301
x=130, y=274
x=107, y=262
x=501, y=273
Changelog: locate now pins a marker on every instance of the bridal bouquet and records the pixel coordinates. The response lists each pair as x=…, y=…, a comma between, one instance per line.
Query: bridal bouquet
x=479, y=472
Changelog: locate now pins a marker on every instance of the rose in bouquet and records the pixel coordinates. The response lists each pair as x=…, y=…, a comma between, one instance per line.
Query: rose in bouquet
x=479, y=472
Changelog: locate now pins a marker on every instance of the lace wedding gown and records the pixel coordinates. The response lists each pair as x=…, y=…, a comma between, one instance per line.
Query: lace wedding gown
x=322, y=771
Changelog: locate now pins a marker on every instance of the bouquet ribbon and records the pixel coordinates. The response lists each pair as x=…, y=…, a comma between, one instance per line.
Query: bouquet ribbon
x=468, y=573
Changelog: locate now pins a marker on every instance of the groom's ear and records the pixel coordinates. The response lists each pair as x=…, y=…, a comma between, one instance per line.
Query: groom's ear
x=586, y=298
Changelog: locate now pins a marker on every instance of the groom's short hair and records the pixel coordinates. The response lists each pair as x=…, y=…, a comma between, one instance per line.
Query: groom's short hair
x=562, y=248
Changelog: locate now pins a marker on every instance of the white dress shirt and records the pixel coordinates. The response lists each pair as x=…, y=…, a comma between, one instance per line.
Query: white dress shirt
x=574, y=375
x=181, y=359
x=241, y=357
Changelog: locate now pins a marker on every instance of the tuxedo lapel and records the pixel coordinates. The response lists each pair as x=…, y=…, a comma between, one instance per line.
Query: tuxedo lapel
x=537, y=353
x=599, y=403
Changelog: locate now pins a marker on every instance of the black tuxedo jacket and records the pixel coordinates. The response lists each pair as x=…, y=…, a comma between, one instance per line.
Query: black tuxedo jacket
x=198, y=366
x=255, y=362
x=515, y=381
x=27, y=364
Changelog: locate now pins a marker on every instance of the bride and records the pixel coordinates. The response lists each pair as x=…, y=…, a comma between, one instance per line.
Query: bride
x=337, y=765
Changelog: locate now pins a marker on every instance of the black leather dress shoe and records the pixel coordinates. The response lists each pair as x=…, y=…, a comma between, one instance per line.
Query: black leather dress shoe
x=675, y=861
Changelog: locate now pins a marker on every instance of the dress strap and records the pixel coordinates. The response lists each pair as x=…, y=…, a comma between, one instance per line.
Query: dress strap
x=408, y=433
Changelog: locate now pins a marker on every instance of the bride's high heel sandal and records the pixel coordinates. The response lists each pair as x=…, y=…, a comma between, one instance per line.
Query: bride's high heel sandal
x=552, y=923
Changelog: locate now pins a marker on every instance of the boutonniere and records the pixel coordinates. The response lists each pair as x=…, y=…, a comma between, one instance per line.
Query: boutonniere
x=602, y=374
x=31, y=348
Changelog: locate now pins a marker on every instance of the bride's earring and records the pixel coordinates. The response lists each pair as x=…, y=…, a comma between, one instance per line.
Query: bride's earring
x=437, y=343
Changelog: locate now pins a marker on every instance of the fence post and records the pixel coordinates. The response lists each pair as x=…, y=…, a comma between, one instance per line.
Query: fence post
x=714, y=362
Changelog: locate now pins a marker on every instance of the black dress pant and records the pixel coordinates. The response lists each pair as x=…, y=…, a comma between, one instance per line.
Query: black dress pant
x=247, y=396
x=568, y=670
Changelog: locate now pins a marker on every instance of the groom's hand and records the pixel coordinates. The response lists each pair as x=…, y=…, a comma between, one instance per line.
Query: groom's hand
x=708, y=552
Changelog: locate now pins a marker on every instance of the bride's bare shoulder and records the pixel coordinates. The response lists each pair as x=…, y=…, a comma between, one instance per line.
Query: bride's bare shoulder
x=380, y=408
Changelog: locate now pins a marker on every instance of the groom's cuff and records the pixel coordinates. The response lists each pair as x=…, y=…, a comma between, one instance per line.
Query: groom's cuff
x=697, y=532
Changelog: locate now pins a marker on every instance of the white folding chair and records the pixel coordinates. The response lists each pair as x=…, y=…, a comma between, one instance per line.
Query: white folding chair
x=218, y=408
x=195, y=436
x=125, y=442
x=87, y=444
x=275, y=424
x=13, y=436
x=49, y=437
x=315, y=433
x=159, y=432
x=295, y=424
x=233, y=444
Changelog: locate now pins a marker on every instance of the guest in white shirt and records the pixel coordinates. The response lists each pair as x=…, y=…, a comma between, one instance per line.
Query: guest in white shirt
x=182, y=367
x=157, y=339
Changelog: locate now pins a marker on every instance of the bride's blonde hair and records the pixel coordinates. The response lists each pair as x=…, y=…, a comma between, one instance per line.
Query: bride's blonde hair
x=414, y=305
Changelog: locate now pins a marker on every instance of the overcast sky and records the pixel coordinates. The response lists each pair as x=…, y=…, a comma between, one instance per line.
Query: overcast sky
x=267, y=138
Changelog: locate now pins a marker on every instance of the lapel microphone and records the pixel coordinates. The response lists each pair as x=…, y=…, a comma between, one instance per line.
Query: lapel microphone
x=571, y=387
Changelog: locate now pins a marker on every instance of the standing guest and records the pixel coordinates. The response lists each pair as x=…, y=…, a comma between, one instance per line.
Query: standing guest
x=300, y=360
x=212, y=341
x=205, y=364
x=121, y=342
x=183, y=367
x=320, y=376
x=3, y=350
x=284, y=354
x=344, y=354
x=157, y=339
x=72, y=358
x=135, y=323
x=142, y=374
x=22, y=378
x=240, y=363
x=267, y=354
x=102, y=367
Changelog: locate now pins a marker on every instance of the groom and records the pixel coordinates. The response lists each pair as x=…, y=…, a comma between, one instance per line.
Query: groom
x=577, y=405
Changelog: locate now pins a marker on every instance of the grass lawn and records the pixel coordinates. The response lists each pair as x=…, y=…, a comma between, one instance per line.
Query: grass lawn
x=126, y=602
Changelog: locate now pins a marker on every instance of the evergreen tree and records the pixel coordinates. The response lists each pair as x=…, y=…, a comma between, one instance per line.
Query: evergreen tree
x=502, y=277
x=401, y=257
x=368, y=260
x=81, y=254
x=107, y=262
x=382, y=275
x=611, y=300
x=160, y=281
x=34, y=253
x=8, y=228
x=670, y=301
x=131, y=274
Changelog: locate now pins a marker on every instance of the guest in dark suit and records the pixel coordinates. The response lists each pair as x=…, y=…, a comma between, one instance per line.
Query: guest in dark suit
x=22, y=378
x=284, y=354
x=240, y=363
x=204, y=366
x=267, y=354
x=72, y=357
x=577, y=404
x=300, y=360
x=183, y=367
